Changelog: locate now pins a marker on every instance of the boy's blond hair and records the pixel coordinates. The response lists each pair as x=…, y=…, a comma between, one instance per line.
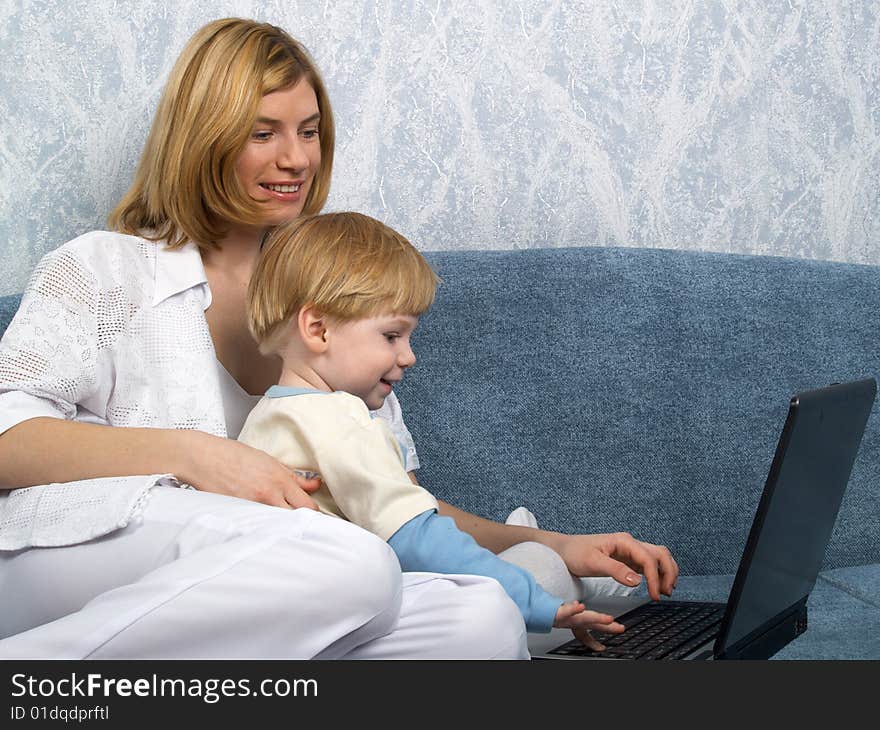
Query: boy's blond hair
x=347, y=266
x=186, y=187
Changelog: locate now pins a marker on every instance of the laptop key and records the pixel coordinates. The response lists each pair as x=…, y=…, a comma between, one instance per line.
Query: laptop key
x=616, y=654
x=656, y=653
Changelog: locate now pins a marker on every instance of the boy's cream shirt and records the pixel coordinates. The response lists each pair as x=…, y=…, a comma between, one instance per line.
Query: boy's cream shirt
x=357, y=457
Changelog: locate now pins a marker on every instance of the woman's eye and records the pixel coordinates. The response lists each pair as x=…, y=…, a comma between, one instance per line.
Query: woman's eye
x=262, y=135
x=310, y=133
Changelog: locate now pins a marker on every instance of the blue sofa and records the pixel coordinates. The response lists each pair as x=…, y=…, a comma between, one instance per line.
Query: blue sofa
x=644, y=390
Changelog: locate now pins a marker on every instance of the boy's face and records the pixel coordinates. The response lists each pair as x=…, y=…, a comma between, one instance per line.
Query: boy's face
x=366, y=357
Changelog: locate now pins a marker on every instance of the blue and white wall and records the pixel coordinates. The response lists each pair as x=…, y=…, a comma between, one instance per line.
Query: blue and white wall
x=724, y=125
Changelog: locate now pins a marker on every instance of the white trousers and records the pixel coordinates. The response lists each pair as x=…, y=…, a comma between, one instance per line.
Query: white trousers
x=550, y=571
x=201, y=575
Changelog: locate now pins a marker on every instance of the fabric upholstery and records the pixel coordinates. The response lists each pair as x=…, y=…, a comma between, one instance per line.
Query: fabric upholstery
x=637, y=389
x=843, y=612
x=644, y=390
x=8, y=306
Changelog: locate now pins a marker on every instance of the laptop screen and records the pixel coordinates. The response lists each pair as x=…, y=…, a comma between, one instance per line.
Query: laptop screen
x=801, y=499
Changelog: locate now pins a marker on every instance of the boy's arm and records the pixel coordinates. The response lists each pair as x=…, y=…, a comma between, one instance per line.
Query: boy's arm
x=431, y=543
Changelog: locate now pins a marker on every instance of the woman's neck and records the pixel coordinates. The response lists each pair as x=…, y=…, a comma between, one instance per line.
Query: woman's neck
x=237, y=252
x=229, y=270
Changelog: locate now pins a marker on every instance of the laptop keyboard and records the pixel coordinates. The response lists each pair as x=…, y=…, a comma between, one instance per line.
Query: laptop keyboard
x=665, y=630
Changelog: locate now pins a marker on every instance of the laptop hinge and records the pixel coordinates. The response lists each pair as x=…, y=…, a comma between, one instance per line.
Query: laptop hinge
x=768, y=639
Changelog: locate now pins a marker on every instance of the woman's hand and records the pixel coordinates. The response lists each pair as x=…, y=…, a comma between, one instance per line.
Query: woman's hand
x=574, y=616
x=224, y=466
x=620, y=556
x=616, y=554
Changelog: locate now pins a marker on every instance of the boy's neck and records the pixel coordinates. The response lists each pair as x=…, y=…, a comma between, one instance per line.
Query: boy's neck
x=301, y=377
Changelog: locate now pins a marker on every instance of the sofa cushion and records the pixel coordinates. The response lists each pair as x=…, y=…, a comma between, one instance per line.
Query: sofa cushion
x=8, y=307
x=843, y=612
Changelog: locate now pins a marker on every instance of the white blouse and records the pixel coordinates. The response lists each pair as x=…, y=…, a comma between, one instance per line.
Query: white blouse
x=237, y=402
x=111, y=330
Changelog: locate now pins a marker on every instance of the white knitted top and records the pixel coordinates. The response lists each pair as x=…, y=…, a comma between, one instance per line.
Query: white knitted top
x=111, y=330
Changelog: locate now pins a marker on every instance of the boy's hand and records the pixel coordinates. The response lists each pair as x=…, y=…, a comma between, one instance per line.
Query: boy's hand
x=574, y=616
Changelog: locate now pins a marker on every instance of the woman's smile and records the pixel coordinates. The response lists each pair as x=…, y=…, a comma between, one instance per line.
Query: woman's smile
x=282, y=156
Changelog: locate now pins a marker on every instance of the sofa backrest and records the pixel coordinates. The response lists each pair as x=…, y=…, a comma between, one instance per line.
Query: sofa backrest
x=641, y=390
x=8, y=307
x=635, y=389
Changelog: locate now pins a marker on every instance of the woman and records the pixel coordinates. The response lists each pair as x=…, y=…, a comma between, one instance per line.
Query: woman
x=128, y=365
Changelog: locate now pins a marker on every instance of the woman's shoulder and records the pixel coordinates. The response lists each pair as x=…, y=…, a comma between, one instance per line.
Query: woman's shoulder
x=93, y=262
x=101, y=256
x=108, y=243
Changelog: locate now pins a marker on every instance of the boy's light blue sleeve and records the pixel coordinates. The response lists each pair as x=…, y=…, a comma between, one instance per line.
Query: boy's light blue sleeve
x=434, y=544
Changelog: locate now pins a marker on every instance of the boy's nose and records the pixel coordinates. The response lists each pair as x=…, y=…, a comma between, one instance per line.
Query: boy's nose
x=407, y=358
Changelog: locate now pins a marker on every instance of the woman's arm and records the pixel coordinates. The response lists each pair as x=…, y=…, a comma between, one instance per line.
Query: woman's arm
x=59, y=356
x=47, y=450
x=493, y=535
x=616, y=554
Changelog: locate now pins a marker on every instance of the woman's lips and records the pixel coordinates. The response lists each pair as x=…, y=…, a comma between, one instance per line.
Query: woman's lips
x=287, y=192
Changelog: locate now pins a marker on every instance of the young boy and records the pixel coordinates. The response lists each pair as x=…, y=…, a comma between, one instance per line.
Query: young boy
x=337, y=297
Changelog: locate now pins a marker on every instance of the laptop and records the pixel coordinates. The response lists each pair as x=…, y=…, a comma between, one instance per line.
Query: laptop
x=782, y=558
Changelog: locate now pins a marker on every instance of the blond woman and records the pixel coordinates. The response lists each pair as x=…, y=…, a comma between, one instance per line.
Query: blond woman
x=127, y=368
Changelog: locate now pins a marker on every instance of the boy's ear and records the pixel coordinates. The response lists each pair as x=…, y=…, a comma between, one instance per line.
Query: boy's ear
x=313, y=329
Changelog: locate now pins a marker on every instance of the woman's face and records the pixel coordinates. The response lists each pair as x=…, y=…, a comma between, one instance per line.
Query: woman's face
x=282, y=156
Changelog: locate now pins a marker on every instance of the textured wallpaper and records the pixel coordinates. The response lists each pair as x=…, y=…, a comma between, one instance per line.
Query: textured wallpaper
x=724, y=125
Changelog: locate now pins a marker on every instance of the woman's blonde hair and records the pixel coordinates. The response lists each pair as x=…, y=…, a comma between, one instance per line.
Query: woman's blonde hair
x=347, y=265
x=186, y=187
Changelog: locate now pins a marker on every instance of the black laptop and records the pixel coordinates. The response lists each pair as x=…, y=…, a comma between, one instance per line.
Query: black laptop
x=782, y=558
